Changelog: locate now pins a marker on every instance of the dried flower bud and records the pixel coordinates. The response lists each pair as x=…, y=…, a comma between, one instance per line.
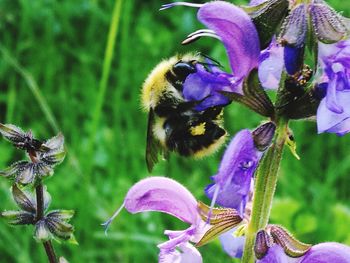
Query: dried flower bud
x=328, y=25
x=20, y=139
x=294, y=28
x=42, y=232
x=55, y=224
x=263, y=135
x=222, y=219
x=291, y=246
x=18, y=217
x=262, y=244
x=25, y=172
x=24, y=200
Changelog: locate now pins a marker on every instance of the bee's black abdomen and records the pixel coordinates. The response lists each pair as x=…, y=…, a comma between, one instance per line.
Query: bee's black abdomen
x=179, y=137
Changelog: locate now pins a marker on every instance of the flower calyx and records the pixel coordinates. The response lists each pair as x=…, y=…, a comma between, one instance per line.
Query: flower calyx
x=267, y=18
x=44, y=156
x=54, y=224
x=220, y=219
x=277, y=235
x=254, y=96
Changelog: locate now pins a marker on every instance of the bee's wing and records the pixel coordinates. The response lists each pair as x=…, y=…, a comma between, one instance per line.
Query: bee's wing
x=153, y=148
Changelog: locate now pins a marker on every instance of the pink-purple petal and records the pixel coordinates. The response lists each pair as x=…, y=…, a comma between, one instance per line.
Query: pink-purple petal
x=163, y=195
x=237, y=33
x=186, y=253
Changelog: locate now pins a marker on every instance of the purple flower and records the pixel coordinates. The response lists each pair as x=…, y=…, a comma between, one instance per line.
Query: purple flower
x=232, y=183
x=333, y=114
x=167, y=196
x=271, y=65
x=234, y=28
x=232, y=245
x=321, y=253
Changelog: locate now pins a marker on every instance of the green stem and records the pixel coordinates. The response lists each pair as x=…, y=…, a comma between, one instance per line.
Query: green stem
x=265, y=185
x=112, y=35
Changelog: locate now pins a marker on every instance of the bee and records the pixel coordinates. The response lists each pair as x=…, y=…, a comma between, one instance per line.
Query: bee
x=173, y=123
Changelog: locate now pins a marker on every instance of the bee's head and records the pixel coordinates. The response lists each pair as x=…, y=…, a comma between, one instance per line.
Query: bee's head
x=184, y=68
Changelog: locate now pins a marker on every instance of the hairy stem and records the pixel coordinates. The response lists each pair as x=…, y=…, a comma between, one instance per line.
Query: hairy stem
x=50, y=252
x=265, y=185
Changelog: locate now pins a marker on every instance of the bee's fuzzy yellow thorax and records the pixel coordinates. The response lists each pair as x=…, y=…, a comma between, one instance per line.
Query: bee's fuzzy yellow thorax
x=156, y=84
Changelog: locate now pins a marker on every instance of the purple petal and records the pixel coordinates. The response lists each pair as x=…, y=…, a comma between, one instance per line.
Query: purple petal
x=164, y=195
x=328, y=252
x=330, y=121
x=256, y=2
x=235, y=172
x=276, y=255
x=205, y=86
x=331, y=97
x=271, y=64
x=232, y=245
x=293, y=58
x=237, y=32
x=186, y=254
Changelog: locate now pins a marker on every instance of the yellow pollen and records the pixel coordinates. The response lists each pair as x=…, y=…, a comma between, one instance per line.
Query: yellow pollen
x=198, y=130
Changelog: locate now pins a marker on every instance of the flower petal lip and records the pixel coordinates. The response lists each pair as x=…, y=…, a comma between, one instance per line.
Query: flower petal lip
x=232, y=245
x=327, y=252
x=237, y=32
x=204, y=86
x=275, y=255
x=163, y=195
x=188, y=254
x=271, y=64
x=330, y=121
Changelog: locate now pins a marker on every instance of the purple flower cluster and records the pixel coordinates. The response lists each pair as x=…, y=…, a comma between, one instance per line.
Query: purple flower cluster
x=234, y=181
x=232, y=185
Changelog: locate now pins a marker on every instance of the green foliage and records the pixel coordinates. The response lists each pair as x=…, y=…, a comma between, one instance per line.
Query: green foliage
x=58, y=47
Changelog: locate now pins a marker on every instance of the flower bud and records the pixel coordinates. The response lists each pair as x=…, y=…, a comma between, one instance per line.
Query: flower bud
x=291, y=246
x=18, y=217
x=262, y=244
x=328, y=25
x=263, y=135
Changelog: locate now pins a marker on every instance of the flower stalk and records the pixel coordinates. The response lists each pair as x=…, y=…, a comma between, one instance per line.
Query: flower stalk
x=40, y=209
x=265, y=185
x=50, y=251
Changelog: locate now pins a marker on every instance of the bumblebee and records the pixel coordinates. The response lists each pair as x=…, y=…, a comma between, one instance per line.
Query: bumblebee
x=173, y=123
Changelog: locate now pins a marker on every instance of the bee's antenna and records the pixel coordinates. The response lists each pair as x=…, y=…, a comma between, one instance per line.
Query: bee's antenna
x=217, y=63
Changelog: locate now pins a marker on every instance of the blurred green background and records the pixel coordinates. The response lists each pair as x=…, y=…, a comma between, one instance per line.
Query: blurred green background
x=51, y=60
